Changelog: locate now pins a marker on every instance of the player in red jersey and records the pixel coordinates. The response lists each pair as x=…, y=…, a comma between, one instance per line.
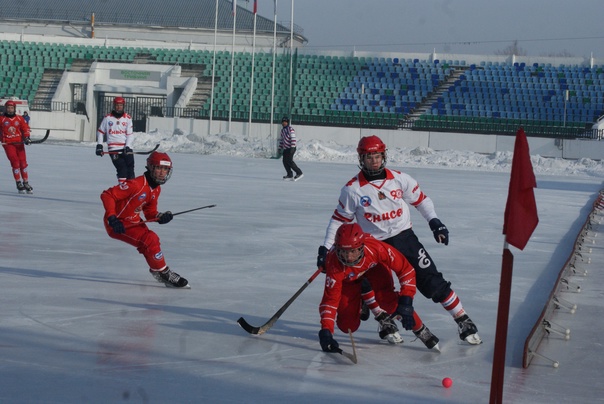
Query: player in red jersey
x=117, y=129
x=123, y=205
x=356, y=256
x=15, y=134
x=379, y=200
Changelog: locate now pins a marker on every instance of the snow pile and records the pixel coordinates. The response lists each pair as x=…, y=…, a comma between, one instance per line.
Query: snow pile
x=226, y=144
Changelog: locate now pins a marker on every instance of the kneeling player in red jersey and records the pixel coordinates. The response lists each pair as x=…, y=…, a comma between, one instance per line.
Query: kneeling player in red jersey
x=123, y=204
x=356, y=255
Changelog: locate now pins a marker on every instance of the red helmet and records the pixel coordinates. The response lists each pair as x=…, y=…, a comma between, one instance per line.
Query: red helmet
x=368, y=145
x=10, y=103
x=350, y=244
x=158, y=159
x=371, y=144
x=119, y=100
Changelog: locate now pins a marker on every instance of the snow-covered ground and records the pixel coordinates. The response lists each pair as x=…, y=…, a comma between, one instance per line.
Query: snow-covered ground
x=83, y=321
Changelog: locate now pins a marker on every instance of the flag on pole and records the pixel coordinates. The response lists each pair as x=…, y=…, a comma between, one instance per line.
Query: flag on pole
x=520, y=219
x=234, y=7
x=255, y=6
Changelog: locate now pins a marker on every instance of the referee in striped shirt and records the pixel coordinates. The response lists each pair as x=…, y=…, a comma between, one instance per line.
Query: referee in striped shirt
x=287, y=144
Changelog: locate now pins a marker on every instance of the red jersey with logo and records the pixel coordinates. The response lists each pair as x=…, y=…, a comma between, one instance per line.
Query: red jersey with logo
x=377, y=253
x=128, y=200
x=380, y=207
x=118, y=131
x=14, y=129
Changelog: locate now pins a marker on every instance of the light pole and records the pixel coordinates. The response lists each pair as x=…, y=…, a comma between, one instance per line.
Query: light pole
x=565, y=101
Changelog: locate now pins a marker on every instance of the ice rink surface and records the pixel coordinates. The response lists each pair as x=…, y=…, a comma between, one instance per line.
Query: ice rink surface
x=84, y=322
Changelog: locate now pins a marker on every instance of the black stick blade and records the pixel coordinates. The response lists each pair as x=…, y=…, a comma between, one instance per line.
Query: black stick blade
x=247, y=327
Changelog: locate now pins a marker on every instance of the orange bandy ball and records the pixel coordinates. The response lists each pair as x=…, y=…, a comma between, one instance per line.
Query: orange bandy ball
x=447, y=382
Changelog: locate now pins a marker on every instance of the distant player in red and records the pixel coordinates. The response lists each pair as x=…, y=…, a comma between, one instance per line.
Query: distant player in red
x=116, y=128
x=356, y=255
x=15, y=134
x=123, y=205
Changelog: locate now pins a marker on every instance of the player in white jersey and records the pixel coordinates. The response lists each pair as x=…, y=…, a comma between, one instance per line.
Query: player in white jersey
x=378, y=199
x=116, y=129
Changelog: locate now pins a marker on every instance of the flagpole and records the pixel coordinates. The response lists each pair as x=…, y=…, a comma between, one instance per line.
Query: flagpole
x=249, y=126
x=232, y=64
x=519, y=221
x=273, y=74
x=213, y=69
x=291, y=61
x=501, y=335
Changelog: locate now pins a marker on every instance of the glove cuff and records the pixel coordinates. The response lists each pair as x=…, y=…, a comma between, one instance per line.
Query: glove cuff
x=325, y=333
x=405, y=300
x=435, y=224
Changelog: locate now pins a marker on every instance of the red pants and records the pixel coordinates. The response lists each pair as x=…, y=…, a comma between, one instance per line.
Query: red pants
x=18, y=160
x=145, y=241
x=349, y=316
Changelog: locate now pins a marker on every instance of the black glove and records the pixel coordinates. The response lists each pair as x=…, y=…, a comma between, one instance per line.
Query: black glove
x=441, y=233
x=165, y=217
x=116, y=224
x=321, y=258
x=27, y=141
x=99, y=150
x=126, y=151
x=404, y=312
x=328, y=344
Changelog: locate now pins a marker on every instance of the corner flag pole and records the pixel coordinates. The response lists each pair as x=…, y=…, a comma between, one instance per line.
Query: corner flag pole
x=519, y=222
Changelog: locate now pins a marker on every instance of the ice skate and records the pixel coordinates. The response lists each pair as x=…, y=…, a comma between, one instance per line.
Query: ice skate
x=298, y=177
x=425, y=335
x=170, y=279
x=288, y=178
x=467, y=330
x=20, y=187
x=388, y=329
x=28, y=188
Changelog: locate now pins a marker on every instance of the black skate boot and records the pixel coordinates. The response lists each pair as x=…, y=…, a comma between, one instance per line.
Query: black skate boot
x=20, y=187
x=388, y=329
x=467, y=330
x=425, y=335
x=365, y=312
x=28, y=188
x=170, y=279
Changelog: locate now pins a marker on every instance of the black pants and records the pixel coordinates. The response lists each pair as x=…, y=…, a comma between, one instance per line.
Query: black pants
x=288, y=162
x=430, y=282
x=124, y=164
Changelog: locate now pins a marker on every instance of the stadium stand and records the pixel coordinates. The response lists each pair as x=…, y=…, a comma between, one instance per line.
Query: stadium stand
x=344, y=90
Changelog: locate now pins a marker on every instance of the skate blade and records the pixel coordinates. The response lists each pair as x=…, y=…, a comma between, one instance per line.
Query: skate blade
x=394, y=339
x=473, y=339
x=169, y=285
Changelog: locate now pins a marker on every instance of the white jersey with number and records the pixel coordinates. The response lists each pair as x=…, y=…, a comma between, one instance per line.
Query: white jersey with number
x=118, y=131
x=380, y=207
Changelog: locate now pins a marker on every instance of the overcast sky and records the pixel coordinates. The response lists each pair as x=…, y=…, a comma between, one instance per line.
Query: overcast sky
x=542, y=27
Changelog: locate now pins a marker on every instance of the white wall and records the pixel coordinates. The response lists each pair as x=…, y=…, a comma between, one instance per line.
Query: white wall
x=69, y=126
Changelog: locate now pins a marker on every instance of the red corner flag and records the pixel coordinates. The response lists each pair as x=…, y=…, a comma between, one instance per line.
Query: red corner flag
x=520, y=218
